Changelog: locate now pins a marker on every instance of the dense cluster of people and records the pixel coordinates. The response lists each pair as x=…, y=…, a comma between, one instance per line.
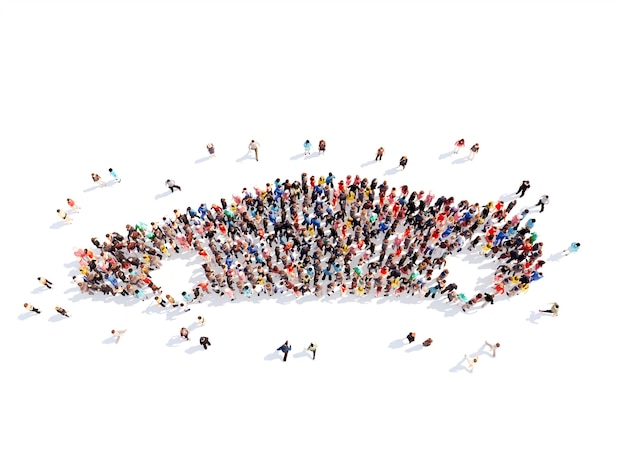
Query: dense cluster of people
x=321, y=236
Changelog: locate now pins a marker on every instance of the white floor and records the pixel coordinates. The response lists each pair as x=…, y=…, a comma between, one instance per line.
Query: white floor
x=142, y=87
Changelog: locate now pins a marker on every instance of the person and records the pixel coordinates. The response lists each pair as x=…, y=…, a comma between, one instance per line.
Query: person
x=114, y=175
x=254, y=146
x=73, y=206
x=322, y=147
x=97, y=179
x=118, y=334
x=307, y=147
x=201, y=320
x=493, y=347
x=313, y=348
x=554, y=309
x=542, y=202
x=66, y=218
x=285, y=348
x=411, y=337
x=204, y=342
x=45, y=282
x=31, y=308
x=427, y=342
x=379, y=153
x=211, y=149
x=573, y=248
x=62, y=311
x=522, y=188
x=473, y=151
x=470, y=363
x=184, y=333
x=172, y=185
x=458, y=145
x=403, y=161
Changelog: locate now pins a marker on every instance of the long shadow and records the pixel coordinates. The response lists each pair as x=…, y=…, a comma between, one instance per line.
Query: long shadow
x=163, y=194
x=392, y=171
x=295, y=157
x=90, y=188
x=458, y=161
x=56, y=318
x=175, y=341
x=371, y=162
x=446, y=155
x=109, y=340
x=535, y=316
x=460, y=366
x=312, y=155
x=556, y=256
x=26, y=315
x=507, y=197
x=273, y=356
x=397, y=343
x=203, y=159
x=300, y=354
x=194, y=349
x=247, y=156
x=417, y=347
x=58, y=225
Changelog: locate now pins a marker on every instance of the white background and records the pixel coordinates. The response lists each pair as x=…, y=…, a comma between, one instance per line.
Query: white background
x=143, y=86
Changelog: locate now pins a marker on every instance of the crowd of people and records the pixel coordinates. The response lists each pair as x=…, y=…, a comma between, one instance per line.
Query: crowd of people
x=321, y=236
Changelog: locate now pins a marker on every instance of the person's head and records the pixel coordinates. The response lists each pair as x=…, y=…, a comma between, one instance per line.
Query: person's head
x=577, y=244
x=497, y=345
x=199, y=318
x=475, y=360
x=112, y=332
x=252, y=141
x=110, y=169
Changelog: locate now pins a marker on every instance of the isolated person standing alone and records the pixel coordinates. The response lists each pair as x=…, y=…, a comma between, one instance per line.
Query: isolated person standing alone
x=322, y=147
x=313, y=348
x=254, y=146
x=379, y=154
x=473, y=151
x=285, y=348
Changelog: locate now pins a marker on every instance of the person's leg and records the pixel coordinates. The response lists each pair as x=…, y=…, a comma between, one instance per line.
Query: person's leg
x=314, y=351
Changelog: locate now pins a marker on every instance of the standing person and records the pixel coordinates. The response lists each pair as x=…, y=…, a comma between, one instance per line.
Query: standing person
x=62, y=311
x=285, y=348
x=322, y=147
x=313, y=348
x=573, y=248
x=473, y=151
x=97, y=179
x=542, y=202
x=73, y=206
x=523, y=187
x=118, y=334
x=204, y=342
x=211, y=148
x=307, y=147
x=470, y=363
x=114, y=175
x=172, y=185
x=458, y=145
x=379, y=153
x=45, y=282
x=554, y=309
x=201, y=320
x=411, y=337
x=184, y=333
x=493, y=347
x=427, y=342
x=31, y=308
x=66, y=218
x=403, y=161
x=254, y=146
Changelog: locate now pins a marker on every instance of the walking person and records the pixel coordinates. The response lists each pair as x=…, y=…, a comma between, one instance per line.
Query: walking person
x=313, y=348
x=542, y=202
x=379, y=154
x=427, y=342
x=285, y=348
x=573, y=248
x=45, y=282
x=184, y=333
x=72, y=204
x=458, y=145
x=411, y=337
x=31, y=308
x=554, y=309
x=66, y=218
x=523, y=187
x=492, y=347
x=201, y=320
x=171, y=184
x=97, y=179
x=473, y=151
x=114, y=175
x=62, y=311
x=307, y=147
x=403, y=161
x=118, y=334
x=321, y=148
x=471, y=362
x=204, y=342
x=254, y=146
x=211, y=148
